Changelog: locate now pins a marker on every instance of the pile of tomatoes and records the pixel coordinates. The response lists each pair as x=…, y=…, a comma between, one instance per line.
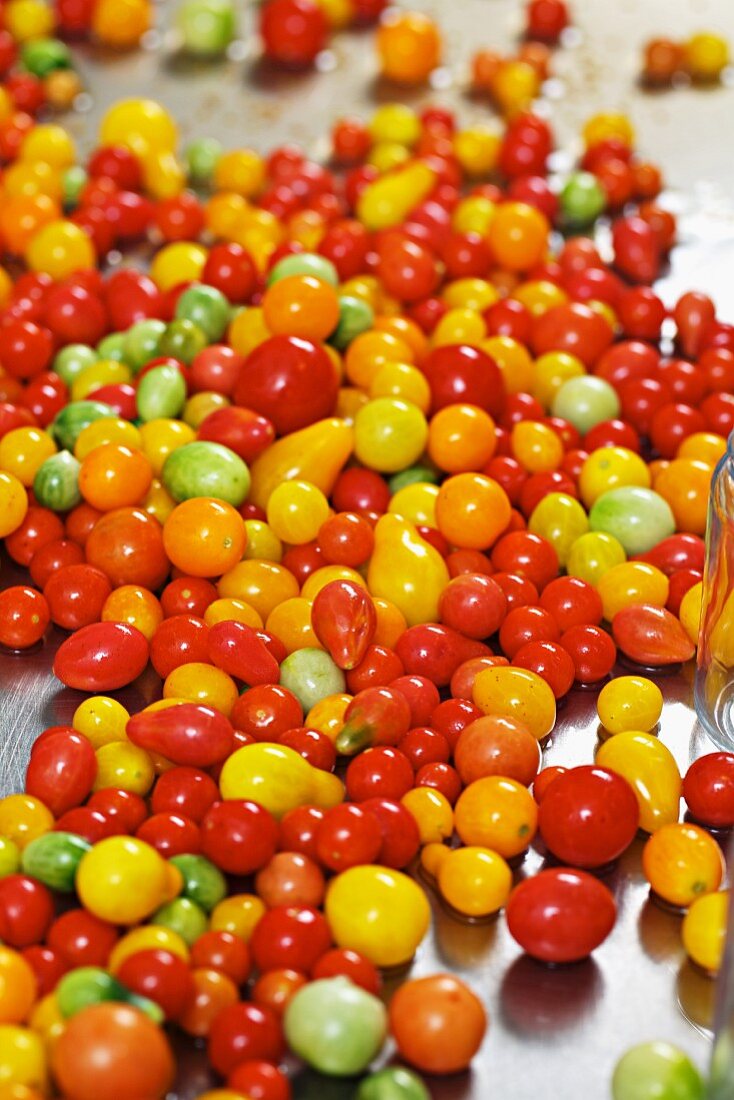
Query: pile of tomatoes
x=371, y=469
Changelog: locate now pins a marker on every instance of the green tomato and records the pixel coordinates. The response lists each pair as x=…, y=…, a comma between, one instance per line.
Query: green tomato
x=141, y=342
x=335, y=1026
x=355, y=317
x=56, y=484
x=207, y=26
x=201, y=158
x=203, y=469
x=10, y=857
x=638, y=518
x=392, y=1083
x=73, y=181
x=85, y=986
x=305, y=263
x=656, y=1071
x=161, y=393
x=182, y=340
x=41, y=56
x=585, y=402
x=206, y=307
x=53, y=858
x=72, y=360
x=184, y=916
x=204, y=883
x=74, y=418
x=414, y=475
x=112, y=347
x=583, y=199
x=311, y=675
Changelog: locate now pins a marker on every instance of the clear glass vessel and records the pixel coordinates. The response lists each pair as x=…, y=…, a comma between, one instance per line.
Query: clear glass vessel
x=714, y=692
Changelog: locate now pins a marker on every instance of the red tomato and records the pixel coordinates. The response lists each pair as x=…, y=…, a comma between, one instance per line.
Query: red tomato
x=266, y=711
x=245, y=432
x=572, y=602
x=527, y=554
x=179, y=640
x=47, y=965
x=343, y=961
x=493, y=745
x=81, y=939
x=187, y=596
x=259, y=1080
x=24, y=617
x=26, y=910
x=239, y=837
x=708, y=788
x=101, y=657
x=61, y=771
x=347, y=837
x=225, y=952
x=527, y=624
x=123, y=807
x=588, y=816
x=76, y=595
x=53, y=557
x=299, y=828
x=170, y=834
x=289, y=380
x=460, y=373
x=592, y=651
x=400, y=836
x=379, y=772
x=39, y=527
x=290, y=937
x=560, y=915
x=473, y=604
x=160, y=976
x=422, y=695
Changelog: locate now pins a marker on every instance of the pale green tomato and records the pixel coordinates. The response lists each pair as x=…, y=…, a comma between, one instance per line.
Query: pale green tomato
x=311, y=675
x=585, y=402
x=656, y=1071
x=335, y=1026
x=392, y=1083
x=638, y=518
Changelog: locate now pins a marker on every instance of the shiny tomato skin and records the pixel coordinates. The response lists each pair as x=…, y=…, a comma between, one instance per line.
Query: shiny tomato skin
x=160, y=976
x=292, y=937
x=560, y=915
x=708, y=789
x=241, y=1032
x=76, y=595
x=26, y=910
x=127, y=545
x=589, y=816
x=61, y=771
x=179, y=640
x=101, y=657
x=400, y=836
x=243, y=431
x=290, y=381
x=186, y=791
x=24, y=617
x=239, y=837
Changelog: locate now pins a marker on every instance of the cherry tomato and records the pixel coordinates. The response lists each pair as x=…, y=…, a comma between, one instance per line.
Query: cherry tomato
x=708, y=788
x=588, y=816
x=560, y=915
x=291, y=937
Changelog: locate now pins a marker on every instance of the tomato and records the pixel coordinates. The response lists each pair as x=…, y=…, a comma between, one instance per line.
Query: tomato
x=650, y=769
x=588, y=816
x=61, y=771
x=301, y=391
x=76, y=595
x=438, y=1023
x=290, y=878
x=24, y=617
x=348, y=836
x=379, y=772
x=101, y=657
x=656, y=1068
x=239, y=837
x=224, y=952
x=473, y=604
x=81, y=939
x=112, y=1048
x=629, y=703
x=560, y=915
x=497, y=746
x=179, y=640
x=204, y=537
x=681, y=862
x=379, y=912
x=460, y=373
x=650, y=635
x=259, y=1080
x=26, y=910
x=213, y=991
x=592, y=651
x=474, y=881
x=160, y=976
x=497, y=813
x=242, y=1032
x=519, y=694
x=127, y=545
x=290, y=936
x=704, y=930
x=708, y=789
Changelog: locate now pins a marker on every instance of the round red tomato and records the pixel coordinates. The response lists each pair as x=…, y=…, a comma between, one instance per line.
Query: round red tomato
x=187, y=791
x=81, y=939
x=347, y=837
x=127, y=545
x=26, y=910
x=589, y=816
x=61, y=771
x=708, y=788
x=290, y=937
x=179, y=640
x=290, y=381
x=461, y=374
x=24, y=617
x=400, y=836
x=239, y=837
x=299, y=828
x=560, y=915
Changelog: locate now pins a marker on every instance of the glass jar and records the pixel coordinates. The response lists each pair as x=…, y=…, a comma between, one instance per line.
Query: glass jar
x=714, y=692
x=721, y=1083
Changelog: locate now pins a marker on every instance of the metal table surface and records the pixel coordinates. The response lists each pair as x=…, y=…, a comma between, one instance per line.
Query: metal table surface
x=559, y=1029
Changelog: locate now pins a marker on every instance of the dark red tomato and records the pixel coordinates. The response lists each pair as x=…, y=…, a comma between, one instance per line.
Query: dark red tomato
x=560, y=915
x=612, y=433
x=551, y=662
x=708, y=788
x=688, y=384
x=170, y=834
x=518, y=406
x=399, y=831
x=527, y=554
x=266, y=711
x=360, y=490
x=573, y=462
x=508, y=473
x=459, y=562
x=89, y=824
x=718, y=409
x=303, y=560
x=24, y=617
x=245, y=432
x=25, y=348
x=127, y=545
x=459, y=373
x=238, y=837
x=124, y=807
x=384, y=771
x=241, y=1032
x=292, y=937
x=527, y=624
x=473, y=604
x=626, y=360
x=312, y=745
x=293, y=31
x=436, y=651
x=672, y=424
x=347, y=837
x=572, y=602
x=589, y=816
x=81, y=939
x=540, y=485
x=237, y=649
x=641, y=399
x=637, y=252
x=259, y=1080
x=179, y=640
x=290, y=381
x=12, y=415
x=76, y=595
x=682, y=551
x=26, y=910
x=509, y=317
x=187, y=596
x=225, y=952
x=519, y=590
x=39, y=527
x=378, y=668
x=47, y=965
x=52, y=558
x=351, y=964
x=592, y=651
x=440, y=777
x=681, y=582
x=716, y=363
x=298, y=830
x=423, y=745
x=160, y=976
x=452, y=716
x=572, y=327
x=101, y=657
x=186, y=791
x=422, y=696
x=546, y=19
x=61, y=771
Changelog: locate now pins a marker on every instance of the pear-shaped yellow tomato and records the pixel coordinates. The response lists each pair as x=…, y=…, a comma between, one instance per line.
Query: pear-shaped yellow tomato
x=278, y=778
x=406, y=570
x=379, y=912
x=650, y=769
x=315, y=454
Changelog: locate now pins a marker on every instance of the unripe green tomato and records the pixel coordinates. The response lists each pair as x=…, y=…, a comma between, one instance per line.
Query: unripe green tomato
x=305, y=263
x=182, y=340
x=204, y=469
x=311, y=675
x=638, y=518
x=585, y=402
x=183, y=916
x=355, y=317
x=204, y=883
x=53, y=859
x=112, y=347
x=56, y=484
x=141, y=342
x=335, y=1026
x=72, y=360
x=583, y=199
x=207, y=26
x=656, y=1071
x=201, y=157
x=392, y=1083
x=206, y=307
x=161, y=393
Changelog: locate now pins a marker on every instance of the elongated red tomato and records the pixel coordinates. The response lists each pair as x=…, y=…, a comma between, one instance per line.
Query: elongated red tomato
x=344, y=620
x=101, y=657
x=189, y=734
x=651, y=635
x=560, y=915
x=240, y=651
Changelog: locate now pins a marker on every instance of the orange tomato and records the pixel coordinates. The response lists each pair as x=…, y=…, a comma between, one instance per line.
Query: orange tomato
x=497, y=813
x=134, y=605
x=472, y=511
x=261, y=584
x=301, y=305
x=682, y=862
x=18, y=989
x=205, y=537
x=685, y=483
x=114, y=476
x=461, y=438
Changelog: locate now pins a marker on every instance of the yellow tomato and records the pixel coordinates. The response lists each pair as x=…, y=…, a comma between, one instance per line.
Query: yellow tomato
x=689, y=611
x=262, y=584
x=23, y=818
x=18, y=987
x=13, y=503
x=704, y=930
x=431, y=812
x=432, y=857
x=124, y=765
x=237, y=914
x=379, y=912
x=682, y=862
x=101, y=720
x=290, y=621
x=611, y=468
x=632, y=582
x=150, y=937
x=516, y=693
x=278, y=778
x=560, y=520
x=629, y=703
x=475, y=881
x=23, y=450
x=497, y=813
x=327, y=716
x=325, y=575
x=22, y=1059
x=652, y=773
x=201, y=683
x=122, y=880
x=416, y=503
x=221, y=611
